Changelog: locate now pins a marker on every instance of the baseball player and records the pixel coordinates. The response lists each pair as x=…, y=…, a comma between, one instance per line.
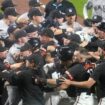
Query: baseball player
x=54, y=71
x=97, y=6
x=97, y=76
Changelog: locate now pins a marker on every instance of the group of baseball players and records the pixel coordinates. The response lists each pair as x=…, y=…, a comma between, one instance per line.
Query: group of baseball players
x=48, y=58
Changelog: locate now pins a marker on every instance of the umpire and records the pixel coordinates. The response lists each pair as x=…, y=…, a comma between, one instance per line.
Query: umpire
x=61, y=5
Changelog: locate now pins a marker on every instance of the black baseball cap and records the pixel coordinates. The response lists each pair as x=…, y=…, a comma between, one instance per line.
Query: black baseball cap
x=34, y=3
x=75, y=38
x=65, y=53
x=92, y=46
x=2, y=49
x=96, y=19
x=33, y=58
x=20, y=33
x=58, y=14
x=35, y=42
x=34, y=12
x=88, y=22
x=11, y=28
x=26, y=47
x=72, y=37
x=102, y=26
x=6, y=3
x=10, y=11
x=47, y=32
x=31, y=28
x=70, y=12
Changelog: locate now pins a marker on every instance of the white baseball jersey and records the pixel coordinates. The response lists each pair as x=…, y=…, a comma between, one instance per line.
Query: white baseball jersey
x=98, y=8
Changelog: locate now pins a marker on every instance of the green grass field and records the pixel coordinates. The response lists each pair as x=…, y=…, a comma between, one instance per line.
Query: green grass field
x=79, y=6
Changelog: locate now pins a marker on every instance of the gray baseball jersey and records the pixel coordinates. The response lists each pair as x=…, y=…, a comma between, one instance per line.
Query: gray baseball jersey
x=98, y=8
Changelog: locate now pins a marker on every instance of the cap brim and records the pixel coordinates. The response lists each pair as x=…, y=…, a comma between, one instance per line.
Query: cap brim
x=2, y=49
x=72, y=14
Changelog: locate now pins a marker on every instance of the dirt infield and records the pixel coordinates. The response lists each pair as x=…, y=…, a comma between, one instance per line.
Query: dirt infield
x=22, y=6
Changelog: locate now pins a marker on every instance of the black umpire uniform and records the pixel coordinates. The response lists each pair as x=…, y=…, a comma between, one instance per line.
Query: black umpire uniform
x=62, y=6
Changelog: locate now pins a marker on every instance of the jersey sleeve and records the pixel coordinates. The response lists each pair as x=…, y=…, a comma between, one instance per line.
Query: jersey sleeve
x=76, y=71
x=98, y=72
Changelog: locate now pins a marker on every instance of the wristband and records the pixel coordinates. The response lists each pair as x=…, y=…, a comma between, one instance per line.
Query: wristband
x=58, y=82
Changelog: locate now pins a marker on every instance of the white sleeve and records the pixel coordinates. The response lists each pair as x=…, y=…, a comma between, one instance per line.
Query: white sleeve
x=86, y=7
x=47, y=67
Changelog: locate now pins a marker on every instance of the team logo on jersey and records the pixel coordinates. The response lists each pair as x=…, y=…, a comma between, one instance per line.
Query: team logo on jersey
x=70, y=10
